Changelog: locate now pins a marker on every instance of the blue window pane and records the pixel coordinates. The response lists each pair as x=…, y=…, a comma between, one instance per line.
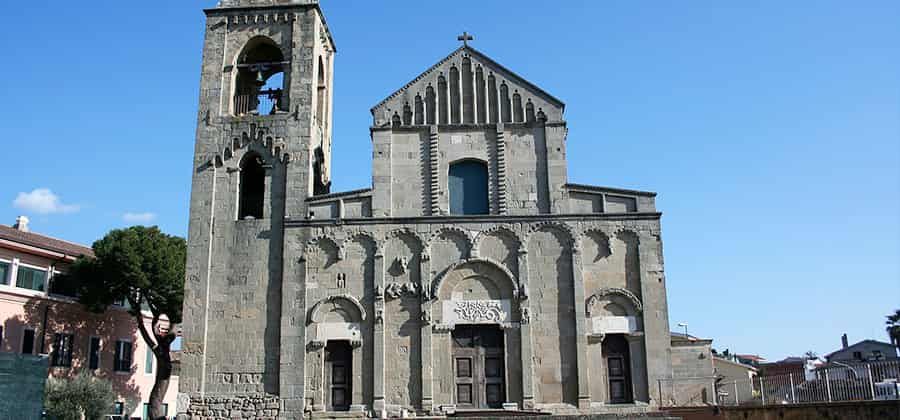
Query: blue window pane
x=4, y=273
x=468, y=184
x=30, y=278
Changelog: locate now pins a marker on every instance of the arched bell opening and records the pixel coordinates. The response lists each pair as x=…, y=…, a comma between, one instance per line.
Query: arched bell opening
x=259, y=83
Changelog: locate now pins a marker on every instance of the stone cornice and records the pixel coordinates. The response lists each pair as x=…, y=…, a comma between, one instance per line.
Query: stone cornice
x=537, y=218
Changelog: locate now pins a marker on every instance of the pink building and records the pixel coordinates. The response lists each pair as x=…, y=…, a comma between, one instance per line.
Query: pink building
x=40, y=316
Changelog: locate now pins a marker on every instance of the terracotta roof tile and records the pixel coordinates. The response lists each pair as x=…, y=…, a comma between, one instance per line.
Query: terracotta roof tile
x=45, y=242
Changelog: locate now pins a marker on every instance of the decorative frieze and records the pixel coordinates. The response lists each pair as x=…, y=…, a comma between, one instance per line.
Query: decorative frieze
x=398, y=290
x=476, y=311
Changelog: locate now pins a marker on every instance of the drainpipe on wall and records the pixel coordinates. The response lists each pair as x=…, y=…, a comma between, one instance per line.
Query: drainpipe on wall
x=44, y=328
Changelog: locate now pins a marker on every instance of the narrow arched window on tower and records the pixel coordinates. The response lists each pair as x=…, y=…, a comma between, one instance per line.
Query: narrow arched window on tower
x=252, y=189
x=468, y=182
x=468, y=96
x=492, y=98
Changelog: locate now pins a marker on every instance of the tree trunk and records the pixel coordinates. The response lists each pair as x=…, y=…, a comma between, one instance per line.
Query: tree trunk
x=163, y=373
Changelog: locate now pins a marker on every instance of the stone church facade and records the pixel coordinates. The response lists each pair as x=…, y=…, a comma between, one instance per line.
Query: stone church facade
x=471, y=275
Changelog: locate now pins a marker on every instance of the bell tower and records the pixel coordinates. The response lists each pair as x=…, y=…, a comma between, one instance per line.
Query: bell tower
x=263, y=146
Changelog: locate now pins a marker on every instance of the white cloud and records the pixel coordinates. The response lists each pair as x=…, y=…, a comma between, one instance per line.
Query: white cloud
x=139, y=218
x=43, y=201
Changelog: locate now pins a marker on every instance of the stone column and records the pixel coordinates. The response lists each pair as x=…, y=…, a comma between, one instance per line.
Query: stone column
x=426, y=353
x=655, y=315
x=378, y=332
x=526, y=337
x=318, y=373
x=293, y=338
x=357, y=403
x=584, y=383
x=638, y=357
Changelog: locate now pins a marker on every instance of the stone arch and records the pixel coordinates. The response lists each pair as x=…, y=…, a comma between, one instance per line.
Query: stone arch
x=481, y=267
x=398, y=233
x=621, y=297
x=567, y=239
x=448, y=231
x=503, y=231
x=595, y=239
x=327, y=246
x=501, y=244
x=347, y=303
x=358, y=236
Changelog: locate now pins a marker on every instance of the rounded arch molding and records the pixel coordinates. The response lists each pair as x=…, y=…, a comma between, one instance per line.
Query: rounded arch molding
x=474, y=262
x=505, y=231
x=617, y=294
x=316, y=314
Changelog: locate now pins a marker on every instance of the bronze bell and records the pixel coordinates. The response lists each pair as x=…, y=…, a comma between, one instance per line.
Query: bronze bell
x=260, y=80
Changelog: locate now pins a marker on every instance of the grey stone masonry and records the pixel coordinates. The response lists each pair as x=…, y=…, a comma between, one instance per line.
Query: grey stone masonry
x=22, y=380
x=302, y=302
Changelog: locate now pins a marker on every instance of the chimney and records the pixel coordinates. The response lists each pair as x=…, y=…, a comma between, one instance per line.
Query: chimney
x=844, y=341
x=21, y=224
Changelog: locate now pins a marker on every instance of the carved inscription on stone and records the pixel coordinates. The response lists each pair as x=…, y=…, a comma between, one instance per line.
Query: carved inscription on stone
x=476, y=311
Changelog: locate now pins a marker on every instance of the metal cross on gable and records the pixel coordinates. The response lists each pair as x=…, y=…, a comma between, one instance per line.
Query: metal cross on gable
x=465, y=38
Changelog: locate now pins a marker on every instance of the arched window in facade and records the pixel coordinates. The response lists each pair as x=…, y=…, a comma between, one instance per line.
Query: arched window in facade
x=252, y=189
x=259, y=85
x=468, y=182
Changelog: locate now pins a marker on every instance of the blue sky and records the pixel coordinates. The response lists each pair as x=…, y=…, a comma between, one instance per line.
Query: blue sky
x=771, y=131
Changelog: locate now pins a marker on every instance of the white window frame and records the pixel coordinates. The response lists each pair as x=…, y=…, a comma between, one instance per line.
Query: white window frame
x=130, y=368
x=149, y=354
x=7, y=282
x=99, y=353
x=15, y=284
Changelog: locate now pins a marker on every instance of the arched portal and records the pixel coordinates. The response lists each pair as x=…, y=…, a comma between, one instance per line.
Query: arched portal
x=477, y=305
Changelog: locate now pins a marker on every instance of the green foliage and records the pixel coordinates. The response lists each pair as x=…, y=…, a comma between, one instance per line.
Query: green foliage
x=893, y=327
x=67, y=399
x=140, y=265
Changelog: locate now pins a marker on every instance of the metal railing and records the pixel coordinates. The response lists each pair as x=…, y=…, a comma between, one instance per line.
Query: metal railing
x=858, y=382
x=265, y=102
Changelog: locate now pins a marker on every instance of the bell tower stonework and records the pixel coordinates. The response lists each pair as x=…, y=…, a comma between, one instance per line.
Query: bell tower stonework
x=263, y=146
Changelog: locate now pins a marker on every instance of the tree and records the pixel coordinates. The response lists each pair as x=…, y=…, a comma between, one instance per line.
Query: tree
x=893, y=327
x=68, y=399
x=144, y=267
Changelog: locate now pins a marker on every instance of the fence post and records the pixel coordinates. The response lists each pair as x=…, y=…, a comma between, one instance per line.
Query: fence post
x=737, y=400
x=762, y=390
x=659, y=389
x=793, y=396
x=871, y=380
x=827, y=385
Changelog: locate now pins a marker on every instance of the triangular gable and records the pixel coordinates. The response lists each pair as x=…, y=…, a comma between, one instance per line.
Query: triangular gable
x=541, y=101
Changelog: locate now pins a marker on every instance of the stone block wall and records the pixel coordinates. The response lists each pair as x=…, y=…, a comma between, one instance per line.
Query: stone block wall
x=22, y=381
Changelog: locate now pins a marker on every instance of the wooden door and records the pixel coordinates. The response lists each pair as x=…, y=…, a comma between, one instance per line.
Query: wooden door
x=478, y=367
x=338, y=375
x=618, y=369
